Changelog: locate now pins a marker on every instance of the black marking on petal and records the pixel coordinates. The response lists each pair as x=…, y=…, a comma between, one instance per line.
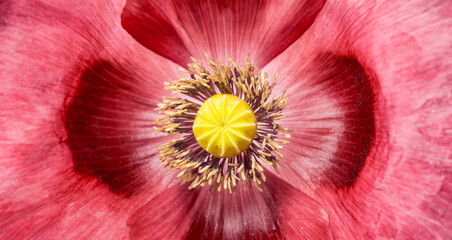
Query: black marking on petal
x=102, y=124
x=354, y=87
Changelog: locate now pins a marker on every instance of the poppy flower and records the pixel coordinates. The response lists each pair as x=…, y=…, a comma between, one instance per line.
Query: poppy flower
x=370, y=112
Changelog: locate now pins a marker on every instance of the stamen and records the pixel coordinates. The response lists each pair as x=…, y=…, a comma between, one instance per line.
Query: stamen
x=228, y=126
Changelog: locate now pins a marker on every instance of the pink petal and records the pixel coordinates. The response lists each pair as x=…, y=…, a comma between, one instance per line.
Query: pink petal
x=148, y=24
x=279, y=212
x=180, y=29
x=52, y=54
x=333, y=119
x=109, y=124
x=400, y=187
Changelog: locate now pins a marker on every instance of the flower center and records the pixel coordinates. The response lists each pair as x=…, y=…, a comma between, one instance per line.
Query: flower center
x=225, y=125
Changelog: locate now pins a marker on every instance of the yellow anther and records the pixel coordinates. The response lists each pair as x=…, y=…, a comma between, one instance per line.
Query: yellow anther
x=225, y=125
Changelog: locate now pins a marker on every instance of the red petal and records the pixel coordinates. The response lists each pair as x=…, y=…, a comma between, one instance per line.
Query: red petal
x=219, y=28
x=279, y=212
x=402, y=190
x=45, y=48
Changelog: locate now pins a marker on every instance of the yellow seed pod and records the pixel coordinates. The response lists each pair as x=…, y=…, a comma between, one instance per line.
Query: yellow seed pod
x=225, y=126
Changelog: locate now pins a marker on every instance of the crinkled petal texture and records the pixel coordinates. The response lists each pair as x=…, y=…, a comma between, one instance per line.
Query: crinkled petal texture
x=78, y=96
x=233, y=28
x=370, y=107
x=78, y=155
x=370, y=155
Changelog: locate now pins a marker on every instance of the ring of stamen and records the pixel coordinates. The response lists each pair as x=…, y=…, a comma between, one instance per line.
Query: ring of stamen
x=228, y=126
